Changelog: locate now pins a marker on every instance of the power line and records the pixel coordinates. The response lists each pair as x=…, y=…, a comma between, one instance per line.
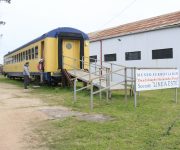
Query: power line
x=117, y=15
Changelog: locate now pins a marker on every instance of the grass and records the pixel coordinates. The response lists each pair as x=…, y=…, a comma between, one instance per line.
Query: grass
x=153, y=125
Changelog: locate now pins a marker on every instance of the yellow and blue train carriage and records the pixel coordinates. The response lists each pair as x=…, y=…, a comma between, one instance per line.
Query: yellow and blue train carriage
x=61, y=49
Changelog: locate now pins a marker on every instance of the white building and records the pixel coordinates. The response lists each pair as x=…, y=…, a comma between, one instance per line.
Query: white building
x=153, y=42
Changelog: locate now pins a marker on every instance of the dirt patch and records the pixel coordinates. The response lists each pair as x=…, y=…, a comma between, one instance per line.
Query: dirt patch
x=16, y=117
x=62, y=112
x=20, y=113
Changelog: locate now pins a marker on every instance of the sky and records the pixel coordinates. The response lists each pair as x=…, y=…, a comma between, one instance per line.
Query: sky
x=29, y=19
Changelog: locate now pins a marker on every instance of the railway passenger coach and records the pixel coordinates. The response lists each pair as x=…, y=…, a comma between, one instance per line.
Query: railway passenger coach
x=60, y=49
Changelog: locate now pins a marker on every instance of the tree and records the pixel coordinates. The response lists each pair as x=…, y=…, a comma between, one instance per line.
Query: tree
x=2, y=22
x=8, y=1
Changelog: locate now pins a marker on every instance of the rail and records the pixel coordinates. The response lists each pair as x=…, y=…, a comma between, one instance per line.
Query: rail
x=100, y=75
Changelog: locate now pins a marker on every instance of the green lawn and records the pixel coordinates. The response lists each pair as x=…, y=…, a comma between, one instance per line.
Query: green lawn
x=153, y=125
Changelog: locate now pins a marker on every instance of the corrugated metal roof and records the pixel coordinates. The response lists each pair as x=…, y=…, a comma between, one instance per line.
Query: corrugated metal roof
x=159, y=22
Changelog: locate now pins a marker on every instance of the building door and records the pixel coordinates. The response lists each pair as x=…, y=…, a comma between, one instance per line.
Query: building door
x=71, y=51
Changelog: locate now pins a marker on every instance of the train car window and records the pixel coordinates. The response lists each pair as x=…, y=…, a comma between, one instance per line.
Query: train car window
x=14, y=58
x=29, y=54
x=26, y=55
x=36, y=52
x=19, y=57
x=32, y=52
x=23, y=57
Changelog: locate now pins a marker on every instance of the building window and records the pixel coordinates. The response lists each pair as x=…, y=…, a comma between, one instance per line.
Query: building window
x=110, y=57
x=17, y=58
x=36, y=52
x=93, y=58
x=133, y=55
x=162, y=53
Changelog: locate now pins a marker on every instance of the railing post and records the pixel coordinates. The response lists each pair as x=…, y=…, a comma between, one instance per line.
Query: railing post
x=89, y=72
x=132, y=81
x=111, y=71
x=176, y=95
x=91, y=98
x=107, y=83
x=100, y=93
x=95, y=65
x=75, y=80
x=125, y=84
x=135, y=100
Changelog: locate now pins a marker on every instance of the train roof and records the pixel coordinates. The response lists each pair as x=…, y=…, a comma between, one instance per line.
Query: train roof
x=54, y=33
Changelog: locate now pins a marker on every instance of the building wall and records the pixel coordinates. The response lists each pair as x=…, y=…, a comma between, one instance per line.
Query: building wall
x=144, y=42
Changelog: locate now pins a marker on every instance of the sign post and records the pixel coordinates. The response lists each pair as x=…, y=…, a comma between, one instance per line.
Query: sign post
x=176, y=95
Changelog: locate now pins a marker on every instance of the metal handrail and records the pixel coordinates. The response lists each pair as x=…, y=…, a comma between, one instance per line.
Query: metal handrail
x=85, y=75
x=70, y=66
x=107, y=87
x=103, y=61
x=109, y=73
x=84, y=62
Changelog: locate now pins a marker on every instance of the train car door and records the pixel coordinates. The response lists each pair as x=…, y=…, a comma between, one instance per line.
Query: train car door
x=71, y=51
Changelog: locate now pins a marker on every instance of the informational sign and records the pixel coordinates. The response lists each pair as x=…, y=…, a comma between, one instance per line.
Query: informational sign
x=153, y=79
